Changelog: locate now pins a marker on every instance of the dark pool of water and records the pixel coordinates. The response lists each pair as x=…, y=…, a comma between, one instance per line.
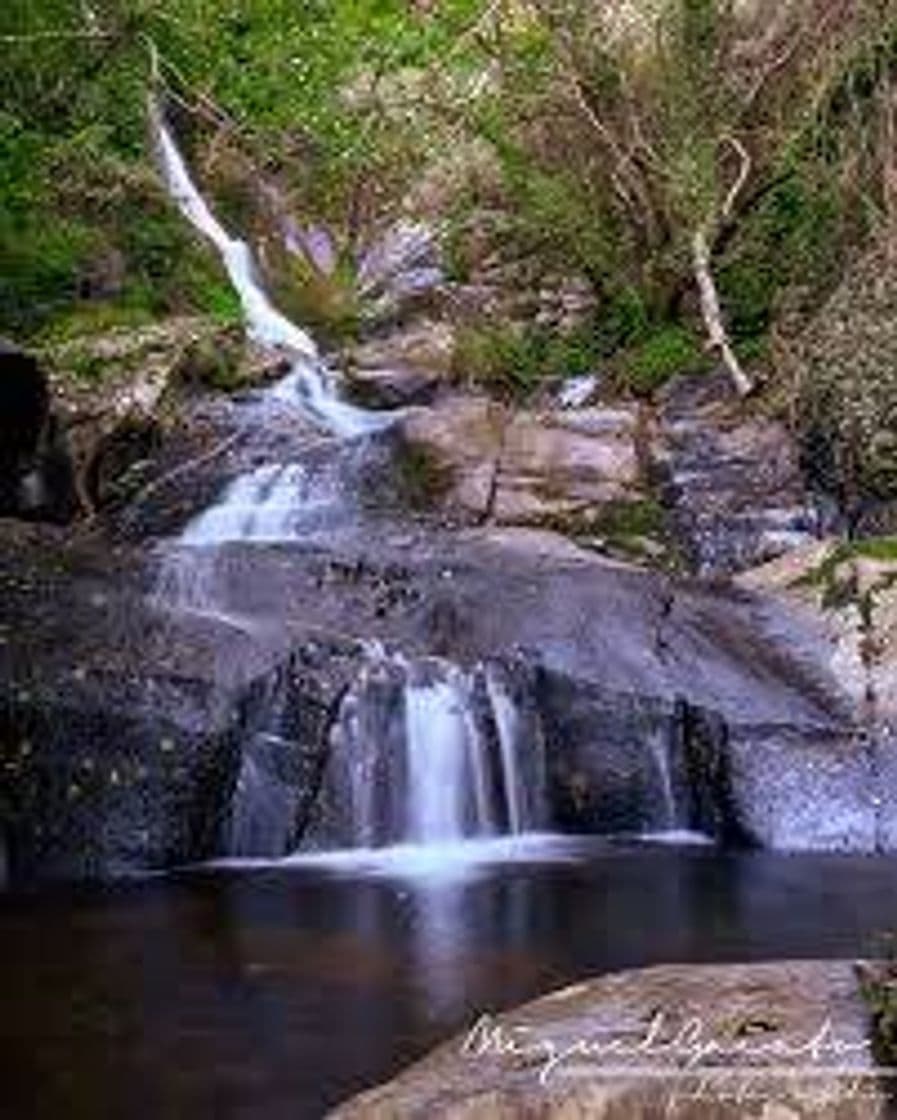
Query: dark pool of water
x=275, y=993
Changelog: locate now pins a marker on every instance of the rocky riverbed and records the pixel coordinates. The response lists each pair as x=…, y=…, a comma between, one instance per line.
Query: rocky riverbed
x=128, y=715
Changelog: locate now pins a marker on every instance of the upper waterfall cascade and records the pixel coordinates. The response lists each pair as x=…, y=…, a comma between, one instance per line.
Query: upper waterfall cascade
x=309, y=384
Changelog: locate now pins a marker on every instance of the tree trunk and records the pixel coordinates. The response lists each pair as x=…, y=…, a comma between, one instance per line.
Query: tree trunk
x=717, y=338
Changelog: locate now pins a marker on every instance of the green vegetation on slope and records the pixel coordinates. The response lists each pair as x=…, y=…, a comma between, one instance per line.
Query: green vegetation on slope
x=617, y=147
x=84, y=220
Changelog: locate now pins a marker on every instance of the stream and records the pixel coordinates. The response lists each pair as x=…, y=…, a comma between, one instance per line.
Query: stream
x=428, y=888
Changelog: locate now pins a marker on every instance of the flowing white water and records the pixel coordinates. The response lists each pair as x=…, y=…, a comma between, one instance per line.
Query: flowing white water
x=280, y=500
x=423, y=753
x=268, y=504
x=438, y=746
x=507, y=723
x=659, y=747
x=309, y=384
x=463, y=765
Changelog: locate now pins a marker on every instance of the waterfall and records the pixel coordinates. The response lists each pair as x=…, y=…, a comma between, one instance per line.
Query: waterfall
x=659, y=746
x=424, y=752
x=270, y=504
x=309, y=384
x=274, y=503
x=507, y=724
x=441, y=746
x=278, y=501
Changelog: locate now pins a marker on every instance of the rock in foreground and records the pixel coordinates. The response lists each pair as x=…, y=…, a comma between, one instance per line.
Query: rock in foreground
x=783, y=1040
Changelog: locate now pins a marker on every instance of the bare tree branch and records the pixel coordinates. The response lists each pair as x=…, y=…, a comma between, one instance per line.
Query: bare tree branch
x=744, y=173
x=717, y=337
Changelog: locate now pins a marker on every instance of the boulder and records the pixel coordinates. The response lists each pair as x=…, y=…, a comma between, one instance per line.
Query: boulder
x=574, y=471
x=700, y=1042
x=462, y=435
x=405, y=367
x=557, y=464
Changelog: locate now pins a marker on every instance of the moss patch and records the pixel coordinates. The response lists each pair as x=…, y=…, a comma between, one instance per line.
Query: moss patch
x=422, y=478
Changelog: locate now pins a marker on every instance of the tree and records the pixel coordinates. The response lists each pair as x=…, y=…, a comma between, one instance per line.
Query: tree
x=680, y=117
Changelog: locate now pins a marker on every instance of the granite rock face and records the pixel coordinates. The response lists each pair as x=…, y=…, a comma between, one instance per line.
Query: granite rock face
x=531, y=467
x=135, y=737
x=662, y=702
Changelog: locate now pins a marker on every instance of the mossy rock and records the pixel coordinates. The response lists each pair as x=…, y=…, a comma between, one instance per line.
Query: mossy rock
x=215, y=361
x=422, y=479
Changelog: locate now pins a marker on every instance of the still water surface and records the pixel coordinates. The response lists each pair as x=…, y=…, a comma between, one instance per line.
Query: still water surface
x=275, y=992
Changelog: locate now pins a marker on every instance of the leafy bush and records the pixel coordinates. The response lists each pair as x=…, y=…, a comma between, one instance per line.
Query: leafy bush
x=796, y=238
x=515, y=362
x=664, y=353
x=77, y=180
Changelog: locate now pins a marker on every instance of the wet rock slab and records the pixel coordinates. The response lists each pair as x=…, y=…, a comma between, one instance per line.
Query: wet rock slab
x=733, y=480
x=139, y=737
x=129, y=737
x=784, y=1040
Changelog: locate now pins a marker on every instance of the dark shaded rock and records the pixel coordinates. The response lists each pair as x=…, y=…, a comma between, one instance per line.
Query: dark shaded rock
x=285, y=748
x=615, y=761
x=98, y=786
x=24, y=404
x=624, y=763
x=120, y=460
x=36, y=477
x=120, y=732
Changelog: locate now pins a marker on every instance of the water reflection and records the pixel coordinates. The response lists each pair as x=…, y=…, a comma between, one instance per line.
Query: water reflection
x=278, y=991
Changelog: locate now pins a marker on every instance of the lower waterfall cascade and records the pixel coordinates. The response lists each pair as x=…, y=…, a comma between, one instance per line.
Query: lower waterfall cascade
x=429, y=754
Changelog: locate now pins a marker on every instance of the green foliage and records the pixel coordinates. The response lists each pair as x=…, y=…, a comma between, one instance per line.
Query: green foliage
x=514, y=362
x=663, y=353
x=878, y=987
x=86, y=222
x=644, y=354
x=613, y=149
x=327, y=303
x=794, y=240
x=631, y=519
x=422, y=479
x=624, y=319
x=302, y=80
